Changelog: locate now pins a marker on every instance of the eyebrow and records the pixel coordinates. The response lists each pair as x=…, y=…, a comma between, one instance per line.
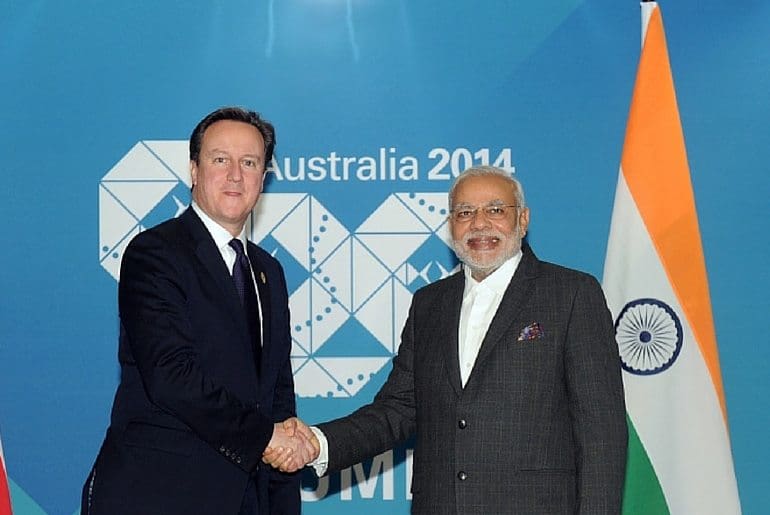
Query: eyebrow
x=495, y=202
x=221, y=151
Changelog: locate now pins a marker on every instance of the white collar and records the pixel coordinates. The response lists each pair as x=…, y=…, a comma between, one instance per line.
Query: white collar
x=220, y=235
x=498, y=280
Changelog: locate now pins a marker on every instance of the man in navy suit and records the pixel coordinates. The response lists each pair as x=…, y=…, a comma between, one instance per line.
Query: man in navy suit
x=204, y=349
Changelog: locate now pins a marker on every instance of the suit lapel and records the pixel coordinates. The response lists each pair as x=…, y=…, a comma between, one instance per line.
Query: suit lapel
x=208, y=253
x=263, y=289
x=517, y=292
x=450, y=303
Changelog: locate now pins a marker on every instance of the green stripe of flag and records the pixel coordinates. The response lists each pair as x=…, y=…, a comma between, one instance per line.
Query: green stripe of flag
x=642, y=494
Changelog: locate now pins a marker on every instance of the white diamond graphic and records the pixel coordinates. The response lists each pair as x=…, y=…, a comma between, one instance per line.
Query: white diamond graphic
x=431, y=208
x=444, y=234
x=327, y=232
x=139, y=164
x=392, y=216
x=298, y=363
x=393, y=249
x=327, y=315
x=352, y=373
x=111, y=263
x=175, y=155
x=297, y=351
x=140, y=197
x=377, y=316
x=368, y=272
x=335, y=274
x=270, y=210
x=385, y=314
x=293, y=232
x=116, y=221
x=407, y=273
x=312, y=381
x=301, y=326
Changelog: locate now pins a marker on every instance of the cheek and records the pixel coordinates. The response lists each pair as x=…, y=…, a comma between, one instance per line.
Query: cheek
x=254, y=185
x=457, y=233
x=209, y=179
x=510, y=230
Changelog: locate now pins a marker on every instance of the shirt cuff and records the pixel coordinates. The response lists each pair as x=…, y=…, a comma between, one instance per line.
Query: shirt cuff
x=321, y=463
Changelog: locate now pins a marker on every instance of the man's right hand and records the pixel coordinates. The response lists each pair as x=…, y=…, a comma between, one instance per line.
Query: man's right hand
x=292, y=446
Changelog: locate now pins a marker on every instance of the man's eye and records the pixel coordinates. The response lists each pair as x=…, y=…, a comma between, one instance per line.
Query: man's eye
x=249, y=163
x=465, y=213
x=495, y=210
x=219, y=160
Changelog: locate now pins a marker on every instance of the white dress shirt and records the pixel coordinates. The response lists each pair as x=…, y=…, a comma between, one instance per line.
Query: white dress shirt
x=481, y=299
x=480, y=303
x=222, y=237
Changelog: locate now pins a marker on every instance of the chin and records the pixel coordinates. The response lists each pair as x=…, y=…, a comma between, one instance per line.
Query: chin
x=485, y=262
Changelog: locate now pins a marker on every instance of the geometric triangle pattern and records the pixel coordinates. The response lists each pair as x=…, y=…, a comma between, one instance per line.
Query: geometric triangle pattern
x=353, y=286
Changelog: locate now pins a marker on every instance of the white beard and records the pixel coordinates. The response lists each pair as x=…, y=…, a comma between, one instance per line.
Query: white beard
x=511, y=244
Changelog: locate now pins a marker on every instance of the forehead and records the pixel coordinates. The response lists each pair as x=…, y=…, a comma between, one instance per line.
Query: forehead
x=231, y=135
x=480, y=190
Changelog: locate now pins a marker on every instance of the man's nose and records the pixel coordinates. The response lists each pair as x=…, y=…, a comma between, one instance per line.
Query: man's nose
x=234, y=173
x=480, y=219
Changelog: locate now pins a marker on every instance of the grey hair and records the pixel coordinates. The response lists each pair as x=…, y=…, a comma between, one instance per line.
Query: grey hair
x=485, y=171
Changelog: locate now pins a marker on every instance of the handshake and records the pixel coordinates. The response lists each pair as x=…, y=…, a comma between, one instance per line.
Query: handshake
x=292, y=446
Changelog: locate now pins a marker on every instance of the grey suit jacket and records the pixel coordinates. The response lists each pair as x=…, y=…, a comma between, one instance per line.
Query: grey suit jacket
x=540, y=426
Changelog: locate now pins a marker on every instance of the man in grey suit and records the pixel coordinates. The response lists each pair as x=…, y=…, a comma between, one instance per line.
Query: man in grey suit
x=507, y=373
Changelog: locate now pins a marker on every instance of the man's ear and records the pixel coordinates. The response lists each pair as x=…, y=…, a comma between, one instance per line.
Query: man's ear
x=523, y=221
x=193, y=172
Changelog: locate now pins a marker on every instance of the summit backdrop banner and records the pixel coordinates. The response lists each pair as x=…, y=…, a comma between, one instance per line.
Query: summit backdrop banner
x=378, y=104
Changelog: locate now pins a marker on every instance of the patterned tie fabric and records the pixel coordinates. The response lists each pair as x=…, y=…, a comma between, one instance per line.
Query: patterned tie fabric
x=244, y=285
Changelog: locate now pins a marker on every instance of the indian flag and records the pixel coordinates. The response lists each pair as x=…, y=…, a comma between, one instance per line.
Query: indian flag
x=5, y=497
x=679, y=457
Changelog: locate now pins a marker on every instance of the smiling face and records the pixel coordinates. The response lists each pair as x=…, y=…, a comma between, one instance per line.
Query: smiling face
x=227, y=179
x=484, y=244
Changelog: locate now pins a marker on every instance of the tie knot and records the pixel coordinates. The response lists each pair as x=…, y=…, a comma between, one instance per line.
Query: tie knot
x=237, y=246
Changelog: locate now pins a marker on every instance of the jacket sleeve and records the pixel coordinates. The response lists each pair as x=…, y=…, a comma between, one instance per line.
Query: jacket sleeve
x=284, y=489
x=388, y=420
x=596, y=401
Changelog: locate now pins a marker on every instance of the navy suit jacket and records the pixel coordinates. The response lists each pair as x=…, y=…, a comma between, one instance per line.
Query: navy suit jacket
x=540, y=426
x=191, y=417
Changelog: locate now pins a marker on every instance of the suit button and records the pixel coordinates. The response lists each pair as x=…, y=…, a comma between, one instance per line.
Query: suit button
x=462, y=424
x=462, y=476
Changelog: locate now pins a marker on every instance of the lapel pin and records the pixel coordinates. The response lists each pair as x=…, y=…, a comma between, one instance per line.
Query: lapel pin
x=262, y=276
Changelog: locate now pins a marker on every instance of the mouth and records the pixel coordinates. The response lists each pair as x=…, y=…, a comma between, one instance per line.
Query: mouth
x=482, y=242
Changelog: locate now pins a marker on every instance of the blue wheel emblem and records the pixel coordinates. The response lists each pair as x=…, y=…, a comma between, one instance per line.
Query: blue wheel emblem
x=649, y=336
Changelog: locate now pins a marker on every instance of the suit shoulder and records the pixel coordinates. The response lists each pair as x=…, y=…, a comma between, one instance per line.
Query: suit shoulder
x=440, y=287
x=564, y=273
x=169, y=235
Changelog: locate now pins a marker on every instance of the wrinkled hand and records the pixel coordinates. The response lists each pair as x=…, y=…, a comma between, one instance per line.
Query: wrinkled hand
x=292, y=446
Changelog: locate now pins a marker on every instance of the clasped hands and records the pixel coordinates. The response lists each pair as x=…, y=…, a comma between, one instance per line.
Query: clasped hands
x=292, y=446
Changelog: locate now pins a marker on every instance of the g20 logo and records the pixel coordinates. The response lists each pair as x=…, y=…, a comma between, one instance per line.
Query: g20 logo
x=349, y=287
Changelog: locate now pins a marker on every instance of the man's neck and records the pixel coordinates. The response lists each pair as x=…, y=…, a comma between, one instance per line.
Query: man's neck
x=210, y=223
x=480, y=275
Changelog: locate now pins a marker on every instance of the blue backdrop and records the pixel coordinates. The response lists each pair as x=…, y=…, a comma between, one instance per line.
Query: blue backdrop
x=97, y=100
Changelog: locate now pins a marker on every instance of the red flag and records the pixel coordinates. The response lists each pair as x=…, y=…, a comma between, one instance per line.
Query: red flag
x=5, y=496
